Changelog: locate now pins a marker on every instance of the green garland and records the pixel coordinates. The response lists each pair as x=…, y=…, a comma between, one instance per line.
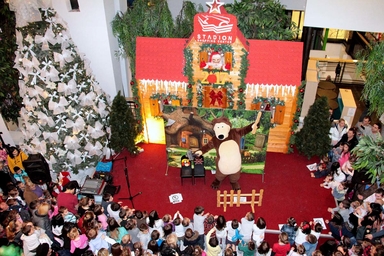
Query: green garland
x=242, y=74
x=295, y=124
x=163, y=96
x=272, y=101
x=188, y=72
x=135, y=93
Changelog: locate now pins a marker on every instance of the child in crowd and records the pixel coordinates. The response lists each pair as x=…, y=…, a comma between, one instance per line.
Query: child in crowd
x=299, y=250
x=311, y=244
x=345, y=154
x=107, y=199
x=155, y=236
x=113, y=210
x=339, y=190
x=98, y=239
x=302, y=232
x=67, y=215
x=336, y=152
x=133, y=230
x=221, y=230
x=144, y=235
x=140, y=217
x=342, y=209
x=247, y=226
x=191, y=238
x=198, y=224
x=101, y=217
x=34, y=239
x=179, y=229
x=209, y=223
x=248, y=249
x=126, y=241
x=167, y=219
x=282, y=247
x=356, y=250
x=317, y=229
x=19, y=174
x=115, y=231
x=322, y=168
x=212, y=244
x=259, y=231
x=79, y=243
x=290, y=228
x=264, y=249
x=233, y=232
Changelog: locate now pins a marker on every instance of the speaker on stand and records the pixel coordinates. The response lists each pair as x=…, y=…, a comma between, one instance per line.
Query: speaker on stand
x=37, y=169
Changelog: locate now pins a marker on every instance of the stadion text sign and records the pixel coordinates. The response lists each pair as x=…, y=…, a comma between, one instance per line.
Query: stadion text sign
x=215, y=28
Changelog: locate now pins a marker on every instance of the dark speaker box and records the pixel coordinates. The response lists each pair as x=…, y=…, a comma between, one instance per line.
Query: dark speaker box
x=37, y=169
x=113, y=190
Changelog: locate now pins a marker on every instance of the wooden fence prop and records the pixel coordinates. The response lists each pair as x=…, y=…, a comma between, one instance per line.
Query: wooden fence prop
x=234, y=198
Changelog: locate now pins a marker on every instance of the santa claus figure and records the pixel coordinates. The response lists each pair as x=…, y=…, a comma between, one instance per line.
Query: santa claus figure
x=216, y=61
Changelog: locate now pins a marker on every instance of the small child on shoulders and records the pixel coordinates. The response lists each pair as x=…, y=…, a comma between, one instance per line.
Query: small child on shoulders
x=19, y=174
x=299, y=250
x=337, y=152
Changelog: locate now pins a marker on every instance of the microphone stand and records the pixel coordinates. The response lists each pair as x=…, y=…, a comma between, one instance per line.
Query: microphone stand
x=130, y=198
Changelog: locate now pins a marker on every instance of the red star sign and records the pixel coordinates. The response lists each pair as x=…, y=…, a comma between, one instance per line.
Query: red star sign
x=214, y=6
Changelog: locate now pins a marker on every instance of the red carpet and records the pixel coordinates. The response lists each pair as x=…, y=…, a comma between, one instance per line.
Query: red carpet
x=288, y=188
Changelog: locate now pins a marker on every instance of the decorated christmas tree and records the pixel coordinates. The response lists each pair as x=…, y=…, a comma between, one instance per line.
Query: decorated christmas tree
x=65, y=113
x=124, y=127
x=313, y=139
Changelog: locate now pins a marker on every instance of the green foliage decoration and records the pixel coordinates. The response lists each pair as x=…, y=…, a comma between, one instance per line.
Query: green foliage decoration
x=10, y=100
x=263, y=19
x=152, y=19
x=188, y=72
x=313, y=139
x=184, y=21
x=124, y=127
x=164, y=96
x=242, y=75
x=370, y=157
x=296, y=116
x=371, y=67
x=273, y=101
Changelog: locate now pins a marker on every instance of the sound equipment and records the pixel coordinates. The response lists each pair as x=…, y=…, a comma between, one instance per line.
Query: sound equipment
x=37, y=169
x=93, y=187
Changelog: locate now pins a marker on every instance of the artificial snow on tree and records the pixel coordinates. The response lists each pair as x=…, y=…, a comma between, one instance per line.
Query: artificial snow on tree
x=124, y=127
x=65, y=113
x=313, y=139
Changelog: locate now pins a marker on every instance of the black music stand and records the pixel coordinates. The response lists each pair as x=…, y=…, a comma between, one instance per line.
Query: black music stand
x=130, y=198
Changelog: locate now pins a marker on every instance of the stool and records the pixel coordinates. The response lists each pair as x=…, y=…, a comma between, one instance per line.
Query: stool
x=327, y=93
x=333, y=104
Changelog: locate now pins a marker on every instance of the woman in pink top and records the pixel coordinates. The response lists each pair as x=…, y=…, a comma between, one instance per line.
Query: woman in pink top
x=101, y=217
x=345, y=154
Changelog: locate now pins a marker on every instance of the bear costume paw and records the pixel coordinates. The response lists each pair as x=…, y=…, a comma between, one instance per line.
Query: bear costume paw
x=215, y=184
x=235, y=186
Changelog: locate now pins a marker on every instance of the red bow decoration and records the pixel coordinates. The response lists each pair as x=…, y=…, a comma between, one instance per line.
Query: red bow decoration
x=216, y=97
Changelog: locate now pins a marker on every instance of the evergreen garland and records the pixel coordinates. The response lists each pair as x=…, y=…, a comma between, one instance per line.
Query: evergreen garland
x=296, y=116
x=242, y=75
x=188, y=72
x=164, y=96
x=272, y=101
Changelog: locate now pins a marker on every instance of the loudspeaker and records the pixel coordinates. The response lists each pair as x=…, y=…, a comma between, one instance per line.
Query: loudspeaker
x=37, y=169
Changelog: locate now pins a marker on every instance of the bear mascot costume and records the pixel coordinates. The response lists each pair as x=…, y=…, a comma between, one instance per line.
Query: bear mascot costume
x=226, y=142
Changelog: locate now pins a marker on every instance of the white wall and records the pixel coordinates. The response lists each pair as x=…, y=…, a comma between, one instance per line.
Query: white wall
x=353, y=15
x=90, y=30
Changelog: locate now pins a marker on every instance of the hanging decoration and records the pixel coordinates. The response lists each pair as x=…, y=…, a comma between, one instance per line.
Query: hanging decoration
x=188, y=72
x=272, y=101
x=166, y=99
x=242, y=74
x=296, y=117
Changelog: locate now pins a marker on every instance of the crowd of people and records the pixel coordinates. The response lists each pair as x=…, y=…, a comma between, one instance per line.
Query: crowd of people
x=51, y=219
x=358, y=215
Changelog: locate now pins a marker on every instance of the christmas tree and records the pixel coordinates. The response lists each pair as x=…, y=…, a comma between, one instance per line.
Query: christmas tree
x=65, y=111
x=313, y=139
x=124, y=127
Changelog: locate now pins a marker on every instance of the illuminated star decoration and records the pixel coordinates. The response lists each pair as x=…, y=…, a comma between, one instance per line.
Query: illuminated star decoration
x=214, y=6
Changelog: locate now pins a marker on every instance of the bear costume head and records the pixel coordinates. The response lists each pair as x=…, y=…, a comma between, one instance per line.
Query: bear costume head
x=221, y=127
